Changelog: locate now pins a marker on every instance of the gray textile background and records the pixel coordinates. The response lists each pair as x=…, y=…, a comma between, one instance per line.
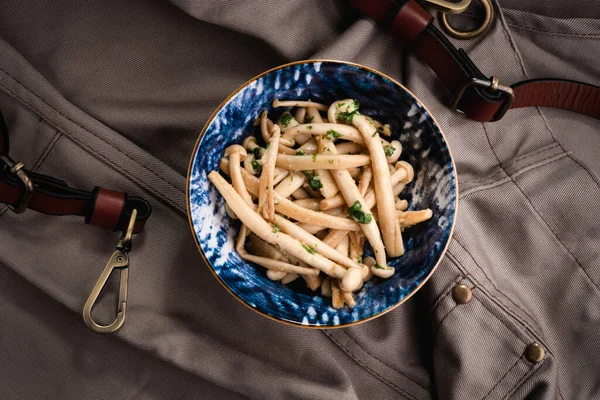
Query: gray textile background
x=115, y=93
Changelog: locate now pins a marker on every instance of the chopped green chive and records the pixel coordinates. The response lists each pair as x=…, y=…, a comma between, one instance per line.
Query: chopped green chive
x=332, y=135
x=314, y=157
x=310, y=250
x=373, y=135
x=276, y=229
x=285, y=120
x=379, y=266
x=330, y=161
x=389, y=150
x=314, y=181
x=347, y=116
x=299, y=153
x=358, y=215
x=256, y=166
x=309, y=127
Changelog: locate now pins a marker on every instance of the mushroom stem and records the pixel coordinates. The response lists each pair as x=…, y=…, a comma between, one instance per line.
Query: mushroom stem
x=321, y=161
x=347, y=132
x=298, y=103
x=266, y=199
x=390, y=230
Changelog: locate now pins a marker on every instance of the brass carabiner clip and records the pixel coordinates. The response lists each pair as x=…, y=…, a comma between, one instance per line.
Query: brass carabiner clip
x=118, y=260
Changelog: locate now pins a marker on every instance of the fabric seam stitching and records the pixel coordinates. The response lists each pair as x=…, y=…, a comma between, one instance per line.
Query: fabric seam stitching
x=395, y=387
x=503, y=377
x=84, y=129
x=551, y=33
x=383, y=362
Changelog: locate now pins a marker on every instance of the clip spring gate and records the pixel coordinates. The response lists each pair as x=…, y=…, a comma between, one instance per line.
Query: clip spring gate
x=118, y=260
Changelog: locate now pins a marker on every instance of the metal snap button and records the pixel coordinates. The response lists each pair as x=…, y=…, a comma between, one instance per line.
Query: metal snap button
x=534, y=352
x=462, y=294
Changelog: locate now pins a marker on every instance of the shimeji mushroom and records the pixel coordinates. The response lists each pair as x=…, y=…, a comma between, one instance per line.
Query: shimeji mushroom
x=300, y=114
x=276, y=275
x=266, y=126
x=326, y=287
x=390, y=230
x=311, y=204
x=290, y=278
x=290, y=184
x=365, y=180
x=321, y=161
x=300, y=194
x=409, y=218
x=266, y=202
x=346, y=132
x=237, y=153
x=401, y=205
x=337, y=297
x=298, y=103
x=349, y=148
x=287, y=121
x=341, y=107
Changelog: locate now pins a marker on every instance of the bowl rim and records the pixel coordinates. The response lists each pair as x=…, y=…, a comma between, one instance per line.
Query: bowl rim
x=193, y=158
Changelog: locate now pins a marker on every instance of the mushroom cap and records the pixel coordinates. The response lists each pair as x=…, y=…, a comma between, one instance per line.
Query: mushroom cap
x=236, y=149
x=410, y=172
x=347, y=105
x=249, y=143
x=352, y=280
x=384, y=272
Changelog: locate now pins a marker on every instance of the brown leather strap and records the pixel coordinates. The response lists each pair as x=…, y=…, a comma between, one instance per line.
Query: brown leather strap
x=108, y=208
x=101, y=207
x=411, y=25
x=567, y=95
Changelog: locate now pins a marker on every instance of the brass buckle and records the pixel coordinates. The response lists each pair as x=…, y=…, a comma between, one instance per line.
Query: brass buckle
x=449, y=6
x=17, y=170
x=492, y=84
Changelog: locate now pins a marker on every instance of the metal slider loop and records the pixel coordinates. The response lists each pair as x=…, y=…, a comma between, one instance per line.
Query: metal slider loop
x=464, y=35
x=493, y=84
x=17, y=169
x=449, y=6
x=118, y=260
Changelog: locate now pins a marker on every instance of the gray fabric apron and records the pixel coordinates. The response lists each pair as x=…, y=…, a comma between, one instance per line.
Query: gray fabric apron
x=115, y=94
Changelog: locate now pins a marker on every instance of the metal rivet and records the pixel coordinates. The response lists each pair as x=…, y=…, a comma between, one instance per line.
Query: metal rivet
x=462, y=294
x=534, y=352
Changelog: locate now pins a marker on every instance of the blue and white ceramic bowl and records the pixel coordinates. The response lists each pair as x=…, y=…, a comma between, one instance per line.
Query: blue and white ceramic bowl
x=424, y=147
